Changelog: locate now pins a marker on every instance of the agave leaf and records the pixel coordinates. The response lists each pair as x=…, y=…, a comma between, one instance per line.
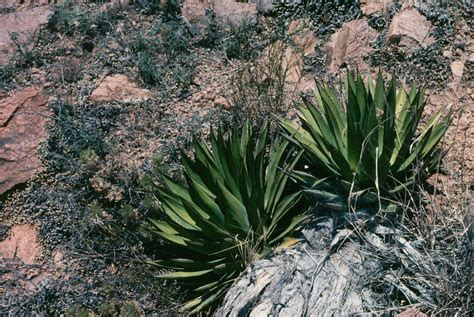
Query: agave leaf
x=178, y=213
x=206, y=286
x=216, y=294
x=184, y=274
x=201, y=218
x=284, y=207
x=236, y=210
x=333, y=114
x=301, y=137
x=296, y=221
x=174, y=238
x=307, y=180
x=188, y=264
x=273, y=178
x=436, y=135
x=230, y=169
x=207, y=199
x=163, y=226
x=289, y=242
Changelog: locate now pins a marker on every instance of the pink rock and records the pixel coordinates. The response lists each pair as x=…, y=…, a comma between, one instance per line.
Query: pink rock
x=457, y=68
x=119, y=88
x=304, y=42
x=371, y=7
x=25, y=23
x=302, y=36
x=21, y=243
x=409, y=30
x=23, y=118
x=349, y=45
x=233, y=12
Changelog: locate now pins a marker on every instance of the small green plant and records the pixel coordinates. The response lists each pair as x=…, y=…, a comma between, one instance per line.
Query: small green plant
x=234, y=208
x=370, y=146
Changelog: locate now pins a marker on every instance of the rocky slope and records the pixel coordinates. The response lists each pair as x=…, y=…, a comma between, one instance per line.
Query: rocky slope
x=95, y=95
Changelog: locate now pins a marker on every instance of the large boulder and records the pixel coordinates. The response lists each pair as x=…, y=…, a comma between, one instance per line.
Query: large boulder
x=331, y=275
x=25, y=23
x=409, y=30
x=23, y=118
x=349, y=45
x=119, y=88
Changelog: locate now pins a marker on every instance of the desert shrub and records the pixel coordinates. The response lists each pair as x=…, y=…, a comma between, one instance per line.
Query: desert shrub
x=69, y=20
x=258, y=91
x=234, y=207
x=212, y=33
x=369, y=148
x=325, y=15
x=239, y=40
x=77, y=131
x=148, y=7
x=167, y=60
x=175, y=38
x=171, y=10
x=148, y=70
x=7, y=71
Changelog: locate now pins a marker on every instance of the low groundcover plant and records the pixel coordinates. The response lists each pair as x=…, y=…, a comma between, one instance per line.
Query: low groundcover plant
x=235, y=207
x=369, y=149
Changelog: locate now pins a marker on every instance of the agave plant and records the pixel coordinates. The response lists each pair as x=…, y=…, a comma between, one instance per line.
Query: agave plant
x=371, y=147
x=235, y=206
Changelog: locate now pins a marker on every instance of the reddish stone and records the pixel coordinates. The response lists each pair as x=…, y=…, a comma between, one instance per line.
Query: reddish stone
x=371, y=7
x=25, y=23
x=21, y=243
x=119, y=88
x=409, y=30
x=349, y=45
x=23, y=117
x=233, y=12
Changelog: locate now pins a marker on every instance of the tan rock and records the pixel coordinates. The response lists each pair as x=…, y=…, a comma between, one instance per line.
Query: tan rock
x=221, y=102
x=349, y=45
x=21, y=243
x=119, y=88
x=233, y=12
x=291, y=62
x=409, y=30
x=457, y=68
x=23, y=118
x=25, y=23
x=371, y=7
